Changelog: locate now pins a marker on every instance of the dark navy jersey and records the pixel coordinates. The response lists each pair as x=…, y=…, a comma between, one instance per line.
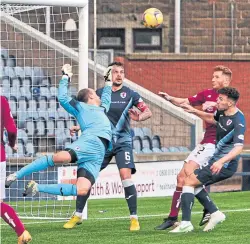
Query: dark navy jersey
x=121, y=101
x=229, y=133
x=225, y=124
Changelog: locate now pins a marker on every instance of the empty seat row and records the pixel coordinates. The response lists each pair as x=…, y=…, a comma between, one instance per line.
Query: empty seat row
x=36, y=74
x=153, y=145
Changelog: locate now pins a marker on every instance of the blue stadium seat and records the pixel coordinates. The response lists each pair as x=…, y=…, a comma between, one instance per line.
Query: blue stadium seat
x=146, y=143
x=138, y=132
x=45, y=81
x=156, y=150
x=19, y=71
x=165, y=149
x=2, y=73
x=41, y=127
x=67, y=143
x=53, y=91
x=13, y=106
x=32, y=105
x=11, y=61
x=183, y=149
x=50, y=127
x=62, y=113
x=67, y=133
x=60, y=139
x=8, y=151
x=5, y=91
x=45, y=92
x=22, y=104
x=15, y=92
x=22, y=136
x=30, y=150
x=137, y=144
x=146, y=150
x=16, y=82
x=2, y=62
x=30, y=127
x=4, y=52
x=156, y=142
x=28, y=72
x=53, y=104
x=60, y=124
x=21, y=150
x=173, y=149
x=52, y=113
x=147, y=132
x=6, y=81
x=73, y=91
x=21, y=119
x=27, y=82
x=25, y=92
x=43, y=107
x=38, y=75
x=9, y=71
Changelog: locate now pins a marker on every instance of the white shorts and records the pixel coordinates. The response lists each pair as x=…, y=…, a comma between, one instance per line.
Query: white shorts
x=2, y=179
x=201, y=154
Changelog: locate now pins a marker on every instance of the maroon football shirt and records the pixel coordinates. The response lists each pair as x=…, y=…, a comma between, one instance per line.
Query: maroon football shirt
x=209, y=95
x=8, y=123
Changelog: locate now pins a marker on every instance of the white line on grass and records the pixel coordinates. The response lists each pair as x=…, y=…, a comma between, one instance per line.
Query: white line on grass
x=126, y=217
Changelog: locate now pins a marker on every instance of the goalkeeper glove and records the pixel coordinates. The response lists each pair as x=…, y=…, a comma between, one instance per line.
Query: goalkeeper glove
x=108, y=76
x=67, y=70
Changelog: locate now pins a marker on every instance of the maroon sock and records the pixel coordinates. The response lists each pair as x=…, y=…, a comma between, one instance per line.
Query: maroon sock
x=175, y=206
x=10, y=217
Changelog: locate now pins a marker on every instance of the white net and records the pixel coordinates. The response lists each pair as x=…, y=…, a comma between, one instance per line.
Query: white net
x=35, y=42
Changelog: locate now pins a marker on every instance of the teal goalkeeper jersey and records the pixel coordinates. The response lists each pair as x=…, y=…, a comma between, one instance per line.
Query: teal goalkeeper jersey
x=91, y=119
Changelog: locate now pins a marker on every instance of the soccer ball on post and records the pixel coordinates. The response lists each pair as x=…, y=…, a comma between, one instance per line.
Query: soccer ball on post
x=152, y=18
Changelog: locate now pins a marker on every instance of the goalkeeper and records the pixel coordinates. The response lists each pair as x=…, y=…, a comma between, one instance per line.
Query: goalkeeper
x=88, y=151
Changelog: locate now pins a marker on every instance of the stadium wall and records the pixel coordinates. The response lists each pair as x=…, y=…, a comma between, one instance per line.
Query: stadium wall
x=186, y=77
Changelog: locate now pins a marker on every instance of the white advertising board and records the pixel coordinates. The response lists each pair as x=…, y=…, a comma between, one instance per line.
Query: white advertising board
x=151, y=180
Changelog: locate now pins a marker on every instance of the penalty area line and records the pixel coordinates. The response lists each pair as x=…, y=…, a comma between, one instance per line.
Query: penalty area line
x=127, y=217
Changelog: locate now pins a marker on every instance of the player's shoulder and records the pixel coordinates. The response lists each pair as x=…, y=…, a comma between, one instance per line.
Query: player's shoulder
x=209, y=91
x=99, y=90
x=240, y=116
x=4, y=100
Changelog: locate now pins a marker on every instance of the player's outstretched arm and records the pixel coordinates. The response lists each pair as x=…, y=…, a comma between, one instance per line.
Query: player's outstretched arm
x=208, y=117
x=177, y=101
x=65, y=100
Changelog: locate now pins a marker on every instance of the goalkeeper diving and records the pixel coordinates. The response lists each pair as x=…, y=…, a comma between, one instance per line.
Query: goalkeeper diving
x=87, y=152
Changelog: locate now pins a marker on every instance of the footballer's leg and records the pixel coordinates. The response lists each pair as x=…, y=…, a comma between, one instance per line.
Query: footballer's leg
x=81, y=201
x=125, y=163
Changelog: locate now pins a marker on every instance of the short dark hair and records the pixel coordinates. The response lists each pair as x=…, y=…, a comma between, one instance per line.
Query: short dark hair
x=116, y=64
x=225, y=70
x=83, y=95
x=230, y=92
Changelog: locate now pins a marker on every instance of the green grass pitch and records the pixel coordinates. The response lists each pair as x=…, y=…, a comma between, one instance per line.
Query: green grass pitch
x=111, y=226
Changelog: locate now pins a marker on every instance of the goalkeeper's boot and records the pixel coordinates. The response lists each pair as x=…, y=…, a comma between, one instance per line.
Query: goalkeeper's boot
x=216, y=218
x=10, y=179
x=24, y=238
x=134, y=224
x=205, y=218
x=183, y=228
x=75, y=220
x=167, y=223
x=30, y=189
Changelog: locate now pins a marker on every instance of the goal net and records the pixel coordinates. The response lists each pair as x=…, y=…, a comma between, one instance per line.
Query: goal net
x=35, y=42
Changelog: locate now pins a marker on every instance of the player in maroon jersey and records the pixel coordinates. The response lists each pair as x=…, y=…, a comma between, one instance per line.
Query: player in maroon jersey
x=8, y=214
x=205, y=149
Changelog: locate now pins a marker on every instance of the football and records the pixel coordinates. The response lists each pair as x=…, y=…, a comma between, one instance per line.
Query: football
x=152, y=18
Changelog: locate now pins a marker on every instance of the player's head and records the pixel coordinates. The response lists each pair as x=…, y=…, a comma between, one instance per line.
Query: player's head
x=88, y=95
x=117, y=73
x=222, y=77
x=228, y=97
